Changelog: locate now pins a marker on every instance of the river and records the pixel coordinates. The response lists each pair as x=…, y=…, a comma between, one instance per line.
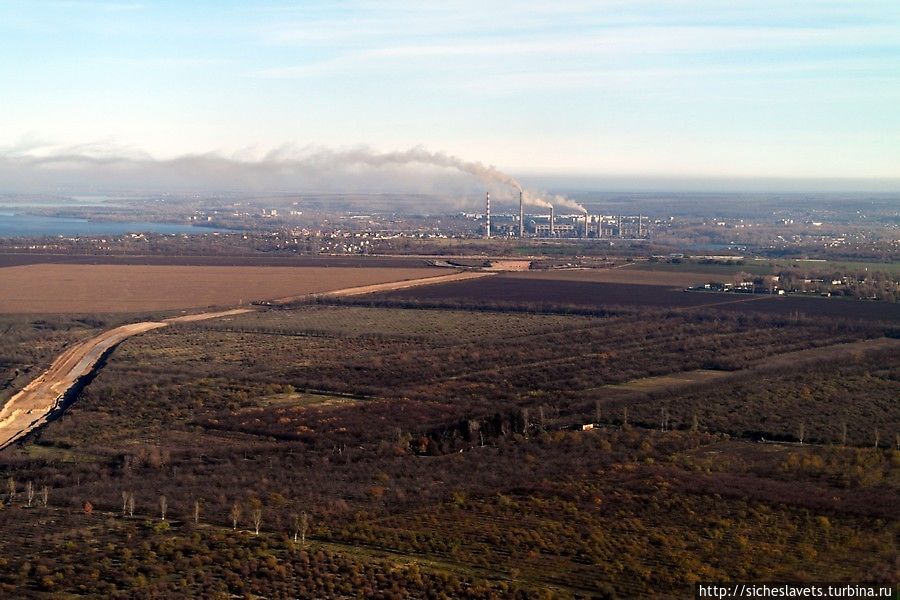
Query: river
x=19, y=225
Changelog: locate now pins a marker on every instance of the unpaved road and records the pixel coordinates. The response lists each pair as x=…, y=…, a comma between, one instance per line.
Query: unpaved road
x=31, y=407
x=389, y=286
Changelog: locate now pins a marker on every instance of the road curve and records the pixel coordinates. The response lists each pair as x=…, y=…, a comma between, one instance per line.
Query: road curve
x=30, y=407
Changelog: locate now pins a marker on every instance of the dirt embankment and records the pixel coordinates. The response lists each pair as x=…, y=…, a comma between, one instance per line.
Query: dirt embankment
x=30, y=407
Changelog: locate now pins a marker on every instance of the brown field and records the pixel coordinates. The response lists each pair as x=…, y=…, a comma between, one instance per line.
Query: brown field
x=560, y=289
x=54, y=288
x=253, y=260
x=627, y=275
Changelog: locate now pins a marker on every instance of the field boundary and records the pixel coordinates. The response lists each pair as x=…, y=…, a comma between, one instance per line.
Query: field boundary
x=385, y=287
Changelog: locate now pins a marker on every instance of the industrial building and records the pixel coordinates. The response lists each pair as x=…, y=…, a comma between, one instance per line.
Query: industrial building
x=583, y=226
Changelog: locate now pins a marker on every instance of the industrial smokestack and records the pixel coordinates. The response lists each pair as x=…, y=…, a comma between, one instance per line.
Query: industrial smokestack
x=599, y=226
x=587, y=225
x=640, y=226
x=521, y=215
x=487, y=216
x=551, y=221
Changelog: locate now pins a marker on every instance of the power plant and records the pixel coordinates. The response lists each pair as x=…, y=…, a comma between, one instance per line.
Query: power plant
x=581, y=225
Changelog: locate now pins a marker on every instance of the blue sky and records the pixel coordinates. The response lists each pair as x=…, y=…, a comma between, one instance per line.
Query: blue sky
x=708, y=88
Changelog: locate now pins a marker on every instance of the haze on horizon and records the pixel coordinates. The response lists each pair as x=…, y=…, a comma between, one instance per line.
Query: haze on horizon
x=624, y=94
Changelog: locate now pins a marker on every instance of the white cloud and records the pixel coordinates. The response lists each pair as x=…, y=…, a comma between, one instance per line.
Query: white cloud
x=617, y=43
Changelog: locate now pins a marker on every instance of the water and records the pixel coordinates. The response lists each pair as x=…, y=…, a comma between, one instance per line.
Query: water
x=15, y=225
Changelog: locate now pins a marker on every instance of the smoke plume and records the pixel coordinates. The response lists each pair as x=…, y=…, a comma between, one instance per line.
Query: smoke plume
x=532, y=200
x=563, y=201
x=97, y=166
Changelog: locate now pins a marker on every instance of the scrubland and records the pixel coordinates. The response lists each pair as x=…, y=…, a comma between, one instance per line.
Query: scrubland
x=433, y=452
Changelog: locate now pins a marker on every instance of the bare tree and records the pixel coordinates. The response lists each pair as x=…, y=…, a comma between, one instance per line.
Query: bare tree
x=844, y=433
x=257, y=518
x=163, y=505
x=11, y=489
x=45, y=496
x=801, y=433
x=625, y=415
x=131, y=504
x=196, y=512
x=877, y=438
x=235, y=514
x=304, y=524
x=29, y=492
x=695, y=423
x=664, y=418
x=124, y=503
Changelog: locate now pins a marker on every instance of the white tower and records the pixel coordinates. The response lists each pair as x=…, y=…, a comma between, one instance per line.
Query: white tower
x=521, y=216
x=487, y=216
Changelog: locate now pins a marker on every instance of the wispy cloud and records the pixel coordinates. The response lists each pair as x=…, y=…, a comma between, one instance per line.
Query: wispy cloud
x=164, y=62
x=618, y=44
x=631, y=77
x=97, y=5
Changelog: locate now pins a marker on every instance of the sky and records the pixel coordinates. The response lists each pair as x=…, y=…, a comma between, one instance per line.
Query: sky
x=661, y=89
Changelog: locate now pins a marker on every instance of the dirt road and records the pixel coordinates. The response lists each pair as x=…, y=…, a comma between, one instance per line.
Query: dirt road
x=30, y=408
x=389, y=286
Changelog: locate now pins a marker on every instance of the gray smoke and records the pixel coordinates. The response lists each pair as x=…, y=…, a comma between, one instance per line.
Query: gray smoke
x=558, y=200
x=96, y=166
x=533, y=200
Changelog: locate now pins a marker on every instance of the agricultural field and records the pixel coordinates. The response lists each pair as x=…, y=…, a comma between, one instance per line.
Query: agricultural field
x=575, y=291
x=248, y=260
x=76, y=288
x=626, y=273
x=432, y=450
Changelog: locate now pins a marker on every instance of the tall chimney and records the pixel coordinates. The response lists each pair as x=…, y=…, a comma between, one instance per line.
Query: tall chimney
x=587, y=225
x=521, y=216
x=640, y=226
x=551, y=221
x=487, y=216
x=599, y=226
